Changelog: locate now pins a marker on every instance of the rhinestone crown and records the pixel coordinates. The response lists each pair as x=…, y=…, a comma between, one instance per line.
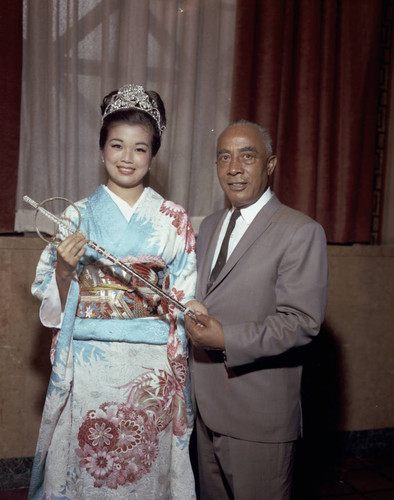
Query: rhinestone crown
x=133, y=96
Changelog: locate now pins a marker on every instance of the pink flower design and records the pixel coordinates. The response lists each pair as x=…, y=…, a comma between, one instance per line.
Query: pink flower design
x=130, y=434
x=179, y=367
x=171, y=209
x=148, y=453
x=135, y=470
x=179, y=416
x=99, y=434
x=174, y=345
x=181, y=222
x=108, y=411
x=99, y=464
x=119, y=442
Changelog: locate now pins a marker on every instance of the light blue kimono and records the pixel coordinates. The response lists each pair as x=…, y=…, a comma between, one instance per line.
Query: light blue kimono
x=117, y=417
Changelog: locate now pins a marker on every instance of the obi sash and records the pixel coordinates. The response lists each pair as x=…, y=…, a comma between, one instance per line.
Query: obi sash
x=108, y=292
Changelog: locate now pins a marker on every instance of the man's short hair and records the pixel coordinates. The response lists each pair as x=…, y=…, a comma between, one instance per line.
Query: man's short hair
x=267, y=139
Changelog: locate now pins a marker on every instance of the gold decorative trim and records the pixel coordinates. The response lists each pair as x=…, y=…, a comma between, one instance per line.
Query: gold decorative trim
x=382, y=123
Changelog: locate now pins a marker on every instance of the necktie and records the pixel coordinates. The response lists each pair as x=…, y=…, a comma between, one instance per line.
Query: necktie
x=222, y=257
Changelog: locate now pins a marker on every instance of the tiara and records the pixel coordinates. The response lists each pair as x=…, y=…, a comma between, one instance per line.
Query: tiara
x=133, y=96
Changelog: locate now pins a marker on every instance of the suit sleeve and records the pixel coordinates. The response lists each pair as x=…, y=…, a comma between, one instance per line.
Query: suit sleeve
x=299, y=286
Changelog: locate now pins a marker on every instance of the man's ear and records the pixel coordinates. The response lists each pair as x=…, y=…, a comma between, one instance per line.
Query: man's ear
x=271, y=164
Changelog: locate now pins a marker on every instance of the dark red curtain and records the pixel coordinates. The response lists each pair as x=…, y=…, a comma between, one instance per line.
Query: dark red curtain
x=308, y=70
x=10, y=98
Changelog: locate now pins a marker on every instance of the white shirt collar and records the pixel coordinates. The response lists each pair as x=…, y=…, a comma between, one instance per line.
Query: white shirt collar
x=249, y=213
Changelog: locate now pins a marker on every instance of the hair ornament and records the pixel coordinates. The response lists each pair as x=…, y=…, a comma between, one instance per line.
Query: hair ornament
x=133, y=96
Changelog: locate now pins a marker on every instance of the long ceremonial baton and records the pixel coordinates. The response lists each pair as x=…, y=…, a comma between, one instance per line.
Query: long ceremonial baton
x=90, y=243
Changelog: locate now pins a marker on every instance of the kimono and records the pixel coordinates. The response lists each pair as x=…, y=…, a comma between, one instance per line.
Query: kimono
x=117, y=417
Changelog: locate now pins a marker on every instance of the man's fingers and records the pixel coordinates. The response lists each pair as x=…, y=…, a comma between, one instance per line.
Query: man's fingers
x=201, y=321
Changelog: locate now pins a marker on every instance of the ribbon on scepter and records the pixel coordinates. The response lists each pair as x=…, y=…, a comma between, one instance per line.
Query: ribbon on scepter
x=90, y=243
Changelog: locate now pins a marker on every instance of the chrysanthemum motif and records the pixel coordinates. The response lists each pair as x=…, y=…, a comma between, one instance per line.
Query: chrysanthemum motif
x=130, y=434
x=118, y=442
x=100, y=434
x=149, y=452
x=99, y=464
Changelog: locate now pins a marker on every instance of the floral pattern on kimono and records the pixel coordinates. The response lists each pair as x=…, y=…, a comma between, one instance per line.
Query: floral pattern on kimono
x=118, y=417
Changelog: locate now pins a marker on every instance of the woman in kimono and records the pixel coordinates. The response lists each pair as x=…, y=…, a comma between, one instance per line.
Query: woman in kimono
x=117, y=417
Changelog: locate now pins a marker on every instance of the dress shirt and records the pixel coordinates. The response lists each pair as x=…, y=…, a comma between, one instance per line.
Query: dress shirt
x=242, y=224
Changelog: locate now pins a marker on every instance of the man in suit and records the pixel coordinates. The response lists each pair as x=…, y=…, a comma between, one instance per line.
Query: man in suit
x=265, y=300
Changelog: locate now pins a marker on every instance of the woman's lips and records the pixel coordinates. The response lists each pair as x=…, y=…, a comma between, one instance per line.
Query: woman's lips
x=126, y=170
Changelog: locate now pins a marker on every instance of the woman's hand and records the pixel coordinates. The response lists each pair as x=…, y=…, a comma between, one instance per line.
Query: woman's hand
x=69, y=252
x=196, y=307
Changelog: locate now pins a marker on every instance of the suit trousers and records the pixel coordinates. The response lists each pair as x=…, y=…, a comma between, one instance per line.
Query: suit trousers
x=234, y=469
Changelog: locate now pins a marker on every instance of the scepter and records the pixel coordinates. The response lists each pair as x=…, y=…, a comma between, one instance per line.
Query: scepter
x=92, y=244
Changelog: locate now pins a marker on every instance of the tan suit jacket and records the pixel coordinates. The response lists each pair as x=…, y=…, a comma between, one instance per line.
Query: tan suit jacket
x=270, y=298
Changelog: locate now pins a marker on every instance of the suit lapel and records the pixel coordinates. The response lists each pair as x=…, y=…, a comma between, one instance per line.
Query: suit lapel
x=259, y=225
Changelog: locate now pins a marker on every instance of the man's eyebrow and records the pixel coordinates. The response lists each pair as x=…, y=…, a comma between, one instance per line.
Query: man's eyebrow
x=221, y=151
x=241, y=150
x=248, y=148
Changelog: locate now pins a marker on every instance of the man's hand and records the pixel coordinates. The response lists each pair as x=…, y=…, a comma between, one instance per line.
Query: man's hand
x=196, y=307
x=207, y=333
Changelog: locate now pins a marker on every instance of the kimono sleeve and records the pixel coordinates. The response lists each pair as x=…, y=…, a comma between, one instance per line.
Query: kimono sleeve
x=44, y=286
x=184, y=270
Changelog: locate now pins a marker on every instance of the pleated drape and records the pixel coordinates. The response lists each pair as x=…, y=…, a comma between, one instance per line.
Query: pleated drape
x=75, y=52
x=308, y=70
x=10, y=90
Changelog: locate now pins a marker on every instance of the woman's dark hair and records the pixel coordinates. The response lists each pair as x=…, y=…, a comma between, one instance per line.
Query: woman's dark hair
x=134, y=116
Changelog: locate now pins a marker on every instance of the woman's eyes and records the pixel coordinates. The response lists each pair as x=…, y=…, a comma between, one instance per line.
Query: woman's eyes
x=120, y=146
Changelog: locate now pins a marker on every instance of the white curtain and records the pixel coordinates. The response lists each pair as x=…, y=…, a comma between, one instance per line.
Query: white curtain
x=76, y=51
